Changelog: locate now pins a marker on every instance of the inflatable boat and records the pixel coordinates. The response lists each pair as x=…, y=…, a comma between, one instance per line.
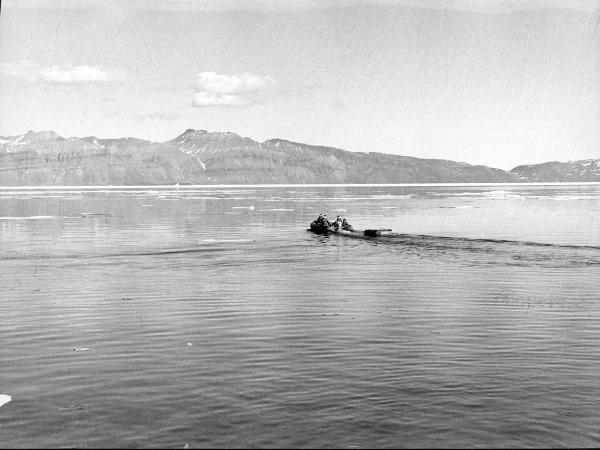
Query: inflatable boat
x=321, y=229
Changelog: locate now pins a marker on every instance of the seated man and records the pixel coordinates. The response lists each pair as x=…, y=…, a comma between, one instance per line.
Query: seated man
x=338, y=223
x=321, y=222
x=346, y=226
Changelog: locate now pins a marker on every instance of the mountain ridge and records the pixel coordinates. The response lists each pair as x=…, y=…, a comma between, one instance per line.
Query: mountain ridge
x=198, y=156
x=578, y=170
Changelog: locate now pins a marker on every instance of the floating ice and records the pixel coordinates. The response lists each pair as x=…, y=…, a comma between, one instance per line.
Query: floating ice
x=4, y=399
x=27, y=218
x=279, y=209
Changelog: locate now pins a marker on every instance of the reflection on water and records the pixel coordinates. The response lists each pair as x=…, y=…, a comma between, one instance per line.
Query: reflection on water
x=211, y=317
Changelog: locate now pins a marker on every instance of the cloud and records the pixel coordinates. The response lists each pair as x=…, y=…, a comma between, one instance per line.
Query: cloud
x=232, y=84
x=230, y=90
x=32, y=72
x=78, y=74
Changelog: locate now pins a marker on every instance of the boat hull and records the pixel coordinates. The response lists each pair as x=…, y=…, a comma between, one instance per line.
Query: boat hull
x=321, y=229
x=382, y=232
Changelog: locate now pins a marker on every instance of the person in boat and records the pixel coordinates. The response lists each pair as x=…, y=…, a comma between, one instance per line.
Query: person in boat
x=322, y=221
x=346, y=226
x=338, y=223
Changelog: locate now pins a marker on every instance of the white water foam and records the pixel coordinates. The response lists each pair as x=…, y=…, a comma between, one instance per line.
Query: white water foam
x=212, y=241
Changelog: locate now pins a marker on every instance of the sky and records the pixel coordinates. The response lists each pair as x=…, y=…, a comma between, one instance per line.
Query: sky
x=493, y=82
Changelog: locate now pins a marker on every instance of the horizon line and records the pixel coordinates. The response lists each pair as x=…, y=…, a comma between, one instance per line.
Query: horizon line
x=175, y=186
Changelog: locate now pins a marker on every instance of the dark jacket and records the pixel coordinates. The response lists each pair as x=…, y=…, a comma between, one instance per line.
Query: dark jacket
x=347, y=226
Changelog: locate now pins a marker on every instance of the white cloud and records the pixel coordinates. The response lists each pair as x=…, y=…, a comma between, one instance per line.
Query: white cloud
x=78, y=74
x=31, y=72
x=233, y=84
x=230, y=90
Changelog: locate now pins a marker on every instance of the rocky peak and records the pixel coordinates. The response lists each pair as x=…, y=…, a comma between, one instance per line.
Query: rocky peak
x=48, y=135
x=203, y=139
x=192, y=132
x=189, y=135
x=278, y=142
x=15, y=143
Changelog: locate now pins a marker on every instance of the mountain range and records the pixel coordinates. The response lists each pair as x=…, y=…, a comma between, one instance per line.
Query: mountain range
x=201, y=157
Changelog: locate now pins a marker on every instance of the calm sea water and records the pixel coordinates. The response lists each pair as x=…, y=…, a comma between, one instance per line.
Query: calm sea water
x=209, y=316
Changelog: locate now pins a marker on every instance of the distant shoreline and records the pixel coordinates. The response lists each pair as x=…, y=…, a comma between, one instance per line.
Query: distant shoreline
x=209, y=186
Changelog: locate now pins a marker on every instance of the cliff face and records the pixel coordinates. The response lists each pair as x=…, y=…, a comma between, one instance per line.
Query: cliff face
x=232, y=159
x=47, y=159
x=582, y=170
x=200, y=157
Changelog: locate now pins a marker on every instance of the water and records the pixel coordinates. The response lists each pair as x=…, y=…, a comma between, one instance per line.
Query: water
x=209, y=317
